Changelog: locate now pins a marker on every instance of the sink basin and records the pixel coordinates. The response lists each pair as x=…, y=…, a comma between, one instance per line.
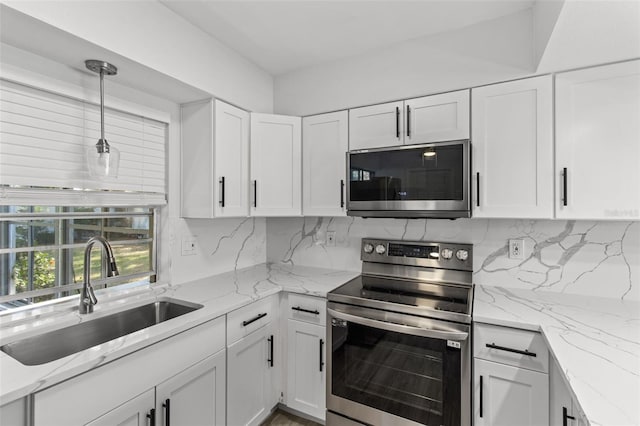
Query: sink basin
x=57, y=344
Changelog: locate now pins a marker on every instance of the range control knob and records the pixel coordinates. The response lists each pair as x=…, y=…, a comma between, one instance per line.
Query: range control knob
x=368, y=248
x=446, y=253
x=462, y=255
x=380, y=249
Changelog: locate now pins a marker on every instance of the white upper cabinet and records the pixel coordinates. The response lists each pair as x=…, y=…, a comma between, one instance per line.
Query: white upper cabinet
x=512, y=149
x=376, y=126
x=598, y=143
x=276, y=159
x=325, y=142
x=435, y=118
x=215, y=160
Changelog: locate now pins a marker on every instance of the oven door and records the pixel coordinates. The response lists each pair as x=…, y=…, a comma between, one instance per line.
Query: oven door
x=387, y=368
x=412, y=180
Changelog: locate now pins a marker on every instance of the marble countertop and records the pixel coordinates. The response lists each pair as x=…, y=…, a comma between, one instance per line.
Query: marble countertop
x=218, y=294
x=595, y=341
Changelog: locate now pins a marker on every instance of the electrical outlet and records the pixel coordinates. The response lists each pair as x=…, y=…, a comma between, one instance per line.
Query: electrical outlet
x=331, y=239
x=189, y=245
x=516, y=249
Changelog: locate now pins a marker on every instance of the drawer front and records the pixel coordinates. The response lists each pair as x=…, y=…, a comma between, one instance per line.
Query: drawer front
x=249, y=318
x=307, y=308
x=510, y=346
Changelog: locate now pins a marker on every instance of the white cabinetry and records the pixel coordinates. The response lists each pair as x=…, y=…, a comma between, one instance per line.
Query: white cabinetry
x=598, y=142
x=306, y=355
x=215, y=160
x=563, y=409
x=276, y=172
x=252, y=369
x=116, y=390
x=135, y=412
x=436, y=118
x=14, y=413
x=325, y=142
x=511, y=384
x=420, y=120
x=376, y=126
x=512, y=150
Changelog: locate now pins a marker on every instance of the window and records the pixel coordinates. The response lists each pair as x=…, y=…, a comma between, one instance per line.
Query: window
x=42, y=250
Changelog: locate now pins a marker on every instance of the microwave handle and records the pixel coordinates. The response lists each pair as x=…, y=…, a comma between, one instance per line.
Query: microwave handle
x=399, y=328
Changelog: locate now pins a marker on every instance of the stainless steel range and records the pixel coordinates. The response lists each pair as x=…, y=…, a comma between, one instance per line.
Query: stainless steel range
x=400, y=336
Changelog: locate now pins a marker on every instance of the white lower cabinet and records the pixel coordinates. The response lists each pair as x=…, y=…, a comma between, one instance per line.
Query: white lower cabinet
x=563, y=409
x=135, y=412
x=306, y=362
x=14, y=413
x=124, y=391
x=251, y=373
x=507, y=395
x=196, y=396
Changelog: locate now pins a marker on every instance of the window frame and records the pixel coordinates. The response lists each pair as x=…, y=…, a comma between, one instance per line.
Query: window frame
x=65, y=249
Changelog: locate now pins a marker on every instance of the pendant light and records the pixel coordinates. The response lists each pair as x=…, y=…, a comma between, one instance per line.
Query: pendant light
x=102, y=159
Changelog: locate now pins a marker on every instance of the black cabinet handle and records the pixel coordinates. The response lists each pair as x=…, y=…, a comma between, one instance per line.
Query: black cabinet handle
x=481, y=403
x=408, y=121
x=167, y=412
x=566, y=417
x=564, y=187
x=298, y=308
x=478, y=189
x=255, y=193
x=221, y=202
x=321, y=354
x=398, y=122
x=515, y=351
x=152, y=417
x=341, y=193
x=270, y=360
x=256, y=318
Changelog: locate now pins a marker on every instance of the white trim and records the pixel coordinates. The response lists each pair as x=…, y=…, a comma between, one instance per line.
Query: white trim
x=70, y=197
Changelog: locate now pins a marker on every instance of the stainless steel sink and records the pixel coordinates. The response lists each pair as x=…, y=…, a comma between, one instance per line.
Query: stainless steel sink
x=59, y=343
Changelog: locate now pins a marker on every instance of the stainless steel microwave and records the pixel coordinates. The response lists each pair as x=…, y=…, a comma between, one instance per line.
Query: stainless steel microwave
x=410, y=181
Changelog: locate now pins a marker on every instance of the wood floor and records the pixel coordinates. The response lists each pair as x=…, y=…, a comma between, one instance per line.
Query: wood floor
x=282, y=418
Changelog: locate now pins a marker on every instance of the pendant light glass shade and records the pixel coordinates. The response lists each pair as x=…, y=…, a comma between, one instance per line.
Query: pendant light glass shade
x=102, y=159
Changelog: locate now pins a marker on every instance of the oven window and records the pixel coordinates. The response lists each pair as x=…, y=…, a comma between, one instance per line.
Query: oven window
x=414, y=377
x=423, y=174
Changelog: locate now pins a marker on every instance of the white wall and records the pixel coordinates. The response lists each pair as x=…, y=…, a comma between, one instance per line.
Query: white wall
x=149, y=33
x=576, y=257
x=487, y=52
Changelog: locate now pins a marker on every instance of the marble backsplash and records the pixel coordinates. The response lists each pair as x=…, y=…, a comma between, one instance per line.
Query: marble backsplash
x=578, y=257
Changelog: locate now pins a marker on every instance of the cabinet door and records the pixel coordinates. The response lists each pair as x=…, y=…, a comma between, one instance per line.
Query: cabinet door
x=512, y=150
x=507, y=396
x=436, y=118
x=14, y=413
x=248, y=379
x=132, y=413
x=560, y=402
x=195, y=396
x=325, y=142
x=376, y=126
x=598, y=142
x=276, y=172
x=197, y=175
x=306, y=368
x=231, y=161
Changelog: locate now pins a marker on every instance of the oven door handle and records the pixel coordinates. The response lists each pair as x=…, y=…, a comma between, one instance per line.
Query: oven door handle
x=400, y=328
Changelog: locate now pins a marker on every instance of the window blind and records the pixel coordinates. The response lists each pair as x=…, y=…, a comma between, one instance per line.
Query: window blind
x=43, y=138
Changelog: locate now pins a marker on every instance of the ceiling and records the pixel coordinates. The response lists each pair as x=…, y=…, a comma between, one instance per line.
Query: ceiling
x=282, y=36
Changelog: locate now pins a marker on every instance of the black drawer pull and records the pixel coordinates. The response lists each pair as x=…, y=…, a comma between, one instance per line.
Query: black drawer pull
x=566, y=416
x=167, y=412
x=256, y=318
x=481, y=402
x=152, y=417
x=515, y=351
x=321, y=354
x=270, y=360
x=309, y=311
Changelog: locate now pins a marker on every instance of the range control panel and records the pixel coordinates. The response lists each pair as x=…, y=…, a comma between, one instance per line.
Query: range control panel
x=418, y=253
